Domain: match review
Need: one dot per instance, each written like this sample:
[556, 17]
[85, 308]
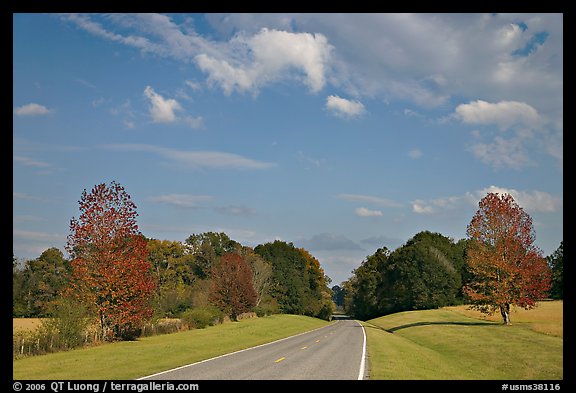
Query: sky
[339, 133]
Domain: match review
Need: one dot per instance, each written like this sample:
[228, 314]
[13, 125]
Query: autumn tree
[111, 272]
[505, 267]
[232, 290]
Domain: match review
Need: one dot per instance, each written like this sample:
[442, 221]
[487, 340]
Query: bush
[203, 316]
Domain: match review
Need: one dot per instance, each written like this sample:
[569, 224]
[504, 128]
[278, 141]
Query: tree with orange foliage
[232, 289]
[111, 273]
[505, 266]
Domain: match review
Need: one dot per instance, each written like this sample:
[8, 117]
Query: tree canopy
[110, 269]
[505, 266]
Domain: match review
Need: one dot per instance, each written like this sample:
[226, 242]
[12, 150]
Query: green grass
[149, 355]
[446, 344]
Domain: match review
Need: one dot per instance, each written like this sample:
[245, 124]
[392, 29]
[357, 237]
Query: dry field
[547, 317]
[19, 324]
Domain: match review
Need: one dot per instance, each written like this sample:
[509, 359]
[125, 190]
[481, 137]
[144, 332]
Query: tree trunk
[505, 311]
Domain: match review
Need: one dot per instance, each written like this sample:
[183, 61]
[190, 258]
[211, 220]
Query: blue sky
[340, 133]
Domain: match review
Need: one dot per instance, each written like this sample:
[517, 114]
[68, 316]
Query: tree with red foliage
[505, 266]
[111, 273]
[232, 289]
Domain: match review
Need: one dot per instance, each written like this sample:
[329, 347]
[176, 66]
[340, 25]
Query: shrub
[203, 316]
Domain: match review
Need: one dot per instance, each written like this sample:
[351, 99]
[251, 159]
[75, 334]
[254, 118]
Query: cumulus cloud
[344, 108]
[31, 109]
[163, 110]
[268, 56]
[512, 150]
[504, 114]
[364, 212]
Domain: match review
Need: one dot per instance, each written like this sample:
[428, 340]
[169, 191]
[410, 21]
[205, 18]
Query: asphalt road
[333, 352]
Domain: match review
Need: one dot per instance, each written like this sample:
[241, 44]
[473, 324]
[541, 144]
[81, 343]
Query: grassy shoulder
[149, 355]
[448, 344]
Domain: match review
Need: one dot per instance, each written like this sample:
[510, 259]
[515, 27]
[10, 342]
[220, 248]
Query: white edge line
[363, 360]
[241, 350]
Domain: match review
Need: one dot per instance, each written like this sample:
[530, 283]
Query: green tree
[298, 283]
[556, 263]
[424, 273]
[362, 299]
[40, 283]
[173, 267]
[261, 273]
[207, 247]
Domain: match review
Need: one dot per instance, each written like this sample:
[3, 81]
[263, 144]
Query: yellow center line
[279, 360]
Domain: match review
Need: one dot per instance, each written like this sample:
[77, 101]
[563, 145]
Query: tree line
[495, 267]
[121, 279]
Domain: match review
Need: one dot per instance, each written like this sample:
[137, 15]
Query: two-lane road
[336, 351]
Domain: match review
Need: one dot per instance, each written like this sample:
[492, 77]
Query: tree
[298, 282]
[505, 266]
[39, 284]
[556, 263]
[361, 299]
[232, 290]
[424, 273]
[111, 272]
[173, 268]
[261, 273]
[207, 247]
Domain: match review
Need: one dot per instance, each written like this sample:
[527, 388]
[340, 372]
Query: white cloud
[420, 57]
[266, 57]
[514, 151]
[187, 201]
[502, 153]
[421, 207]
[531, 201]
[31, 109]
[343, 107]
[504, 114]
[368, 199]
[31, 162]
[196, 159]
[363, 212]
[161, 109]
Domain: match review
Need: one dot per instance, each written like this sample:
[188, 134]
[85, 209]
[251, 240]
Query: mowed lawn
[457, 344]
[149, 355]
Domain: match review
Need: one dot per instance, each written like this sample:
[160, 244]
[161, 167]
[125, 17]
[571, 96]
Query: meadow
[456, 343]
[451, 343]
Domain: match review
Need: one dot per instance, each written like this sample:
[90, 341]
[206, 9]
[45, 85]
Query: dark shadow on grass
[409, 325]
